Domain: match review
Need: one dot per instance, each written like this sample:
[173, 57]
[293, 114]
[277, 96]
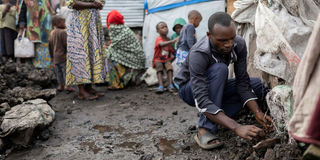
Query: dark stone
[175, 113]
[10, 68]
[4, 107]
[192, 128]
[44, 135]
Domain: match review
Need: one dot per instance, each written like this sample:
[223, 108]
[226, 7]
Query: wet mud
[138, 124]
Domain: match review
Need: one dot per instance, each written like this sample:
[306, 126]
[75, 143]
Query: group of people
[87, 61]
[80, 58]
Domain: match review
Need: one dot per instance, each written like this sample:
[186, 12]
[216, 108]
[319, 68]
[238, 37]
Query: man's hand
[247, 131]
[265, 121]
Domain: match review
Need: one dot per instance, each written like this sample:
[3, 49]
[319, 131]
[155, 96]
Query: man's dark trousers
[222, 92]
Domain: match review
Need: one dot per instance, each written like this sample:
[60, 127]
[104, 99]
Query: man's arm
[244, 88]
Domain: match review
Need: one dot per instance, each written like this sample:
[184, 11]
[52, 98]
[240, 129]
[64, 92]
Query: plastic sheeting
[149, 29]
[281, 37]
[157, 3]
[280, 103]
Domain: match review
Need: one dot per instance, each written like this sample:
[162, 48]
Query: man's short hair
[56, 19]
[157, 26]
[220, 18]
[194, 14]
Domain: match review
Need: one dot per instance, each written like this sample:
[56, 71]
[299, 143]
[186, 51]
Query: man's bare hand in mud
[265, 121]
[247, 131]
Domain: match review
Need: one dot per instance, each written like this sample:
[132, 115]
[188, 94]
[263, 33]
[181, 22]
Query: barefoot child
[163, 56]
[58, 50]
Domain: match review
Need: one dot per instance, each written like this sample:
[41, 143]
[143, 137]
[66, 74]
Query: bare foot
[69, 89]
[92, 91]
[60, 88]
[83, 94]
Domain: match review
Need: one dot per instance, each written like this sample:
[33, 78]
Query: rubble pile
[19, 83]
[24, 92]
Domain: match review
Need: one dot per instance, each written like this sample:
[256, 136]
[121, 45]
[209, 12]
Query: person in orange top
[163, 56]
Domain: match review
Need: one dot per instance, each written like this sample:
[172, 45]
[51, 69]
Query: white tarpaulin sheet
[157, 3]
[149, 29]
[281, 36]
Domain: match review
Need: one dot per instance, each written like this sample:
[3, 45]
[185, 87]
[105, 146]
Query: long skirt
[118, 76]
[86, 54]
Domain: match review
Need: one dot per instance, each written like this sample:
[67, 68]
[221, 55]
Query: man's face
[223, 37]
[163, 29]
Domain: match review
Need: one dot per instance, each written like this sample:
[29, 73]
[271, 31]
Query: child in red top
[163, 56]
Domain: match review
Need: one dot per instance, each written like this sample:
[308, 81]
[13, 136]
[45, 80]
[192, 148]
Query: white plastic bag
[23, 48]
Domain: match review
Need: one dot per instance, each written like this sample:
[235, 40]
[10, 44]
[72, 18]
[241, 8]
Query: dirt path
[133, 124]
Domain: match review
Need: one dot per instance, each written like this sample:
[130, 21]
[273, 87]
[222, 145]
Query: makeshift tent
[168, 11]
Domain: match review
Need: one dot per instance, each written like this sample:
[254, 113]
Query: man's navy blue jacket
[201, 56]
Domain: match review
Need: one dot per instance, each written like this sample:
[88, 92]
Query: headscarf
[114, 17]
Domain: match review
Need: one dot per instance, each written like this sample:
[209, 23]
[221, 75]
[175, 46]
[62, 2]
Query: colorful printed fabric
[38, 19]
[86, 56]
[119, 76]
[181, 56]
[125, 47]
[42, 57]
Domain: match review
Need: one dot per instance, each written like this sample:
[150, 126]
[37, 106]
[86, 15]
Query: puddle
[106, 128]
[131, 145]
[92, 146]
[166, 147]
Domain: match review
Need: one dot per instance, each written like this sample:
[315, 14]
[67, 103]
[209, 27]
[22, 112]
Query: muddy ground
[136, 123]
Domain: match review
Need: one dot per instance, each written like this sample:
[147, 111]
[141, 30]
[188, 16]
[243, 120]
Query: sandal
[160, 90]
[205, 139]
[171, 89]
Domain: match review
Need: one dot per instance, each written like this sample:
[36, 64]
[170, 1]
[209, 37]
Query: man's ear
[208, 34]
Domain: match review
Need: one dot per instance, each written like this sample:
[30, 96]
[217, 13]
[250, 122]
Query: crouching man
[203, 82]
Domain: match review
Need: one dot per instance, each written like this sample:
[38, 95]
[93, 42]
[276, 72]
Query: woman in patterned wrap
[86, 56]
[125, 54]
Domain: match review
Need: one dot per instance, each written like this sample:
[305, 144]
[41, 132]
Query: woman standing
[86, 56]
[35, 19]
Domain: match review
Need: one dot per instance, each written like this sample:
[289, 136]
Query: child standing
[177, 26]
[187, 36]
[58, 50]
[8, 29]
[163, 56]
